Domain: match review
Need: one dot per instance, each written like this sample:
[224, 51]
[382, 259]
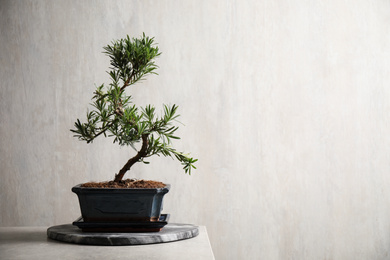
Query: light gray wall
[285, 103]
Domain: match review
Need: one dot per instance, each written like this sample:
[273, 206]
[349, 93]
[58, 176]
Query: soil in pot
[125, 184]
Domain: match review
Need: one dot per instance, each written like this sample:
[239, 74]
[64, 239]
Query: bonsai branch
[102, 131]
[141, 154]
[127, 83]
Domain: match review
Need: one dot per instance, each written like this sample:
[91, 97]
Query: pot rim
[78, 188]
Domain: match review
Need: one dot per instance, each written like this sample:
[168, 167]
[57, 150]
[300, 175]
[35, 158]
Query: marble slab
[171, 232]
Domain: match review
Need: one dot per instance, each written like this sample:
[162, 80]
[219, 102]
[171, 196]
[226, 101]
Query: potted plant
[114, 115]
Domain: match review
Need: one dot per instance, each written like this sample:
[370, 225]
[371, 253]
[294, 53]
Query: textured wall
[285, 103]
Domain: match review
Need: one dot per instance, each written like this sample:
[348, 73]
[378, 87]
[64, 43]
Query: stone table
[32, 243]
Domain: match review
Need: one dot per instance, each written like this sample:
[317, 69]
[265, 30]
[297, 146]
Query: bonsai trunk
[141, 154]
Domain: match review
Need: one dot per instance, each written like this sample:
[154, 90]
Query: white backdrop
[285, 103]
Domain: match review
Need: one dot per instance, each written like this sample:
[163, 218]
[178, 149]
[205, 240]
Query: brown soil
[129, 183]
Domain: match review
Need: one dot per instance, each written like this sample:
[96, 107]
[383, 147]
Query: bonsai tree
[114, 115]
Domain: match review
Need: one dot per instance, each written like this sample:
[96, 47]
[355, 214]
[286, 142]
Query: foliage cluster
[114, 114]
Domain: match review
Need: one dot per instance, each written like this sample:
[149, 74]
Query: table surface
[32, 243]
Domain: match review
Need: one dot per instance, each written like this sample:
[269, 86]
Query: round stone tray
[171, 232]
